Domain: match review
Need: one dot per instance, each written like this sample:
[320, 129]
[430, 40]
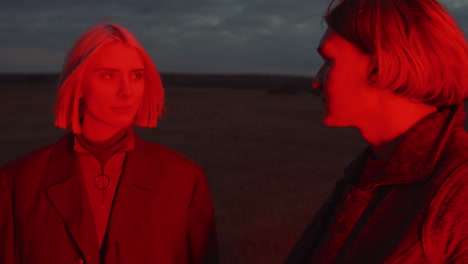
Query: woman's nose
[125, 89]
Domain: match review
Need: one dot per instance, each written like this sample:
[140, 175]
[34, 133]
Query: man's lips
[323, 97]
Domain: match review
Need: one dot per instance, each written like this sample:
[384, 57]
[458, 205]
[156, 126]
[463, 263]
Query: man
[397, 70]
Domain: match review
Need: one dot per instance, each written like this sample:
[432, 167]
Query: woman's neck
[96, 131]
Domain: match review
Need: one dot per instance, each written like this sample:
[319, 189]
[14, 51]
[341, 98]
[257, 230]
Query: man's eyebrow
[137, 70]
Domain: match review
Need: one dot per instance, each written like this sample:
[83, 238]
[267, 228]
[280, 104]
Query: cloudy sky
[200, 36]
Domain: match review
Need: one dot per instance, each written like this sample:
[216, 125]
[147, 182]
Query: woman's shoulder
[154, 152]
[42, 154]
[155, 159]
[34, 157]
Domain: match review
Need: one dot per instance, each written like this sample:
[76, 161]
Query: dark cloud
[257, 36]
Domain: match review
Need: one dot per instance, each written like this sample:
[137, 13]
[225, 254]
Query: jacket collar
[66, 192]
[416, 156]
[128, 140]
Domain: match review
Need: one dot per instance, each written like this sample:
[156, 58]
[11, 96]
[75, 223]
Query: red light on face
[316, 85]
[113, 87]
[342, 80]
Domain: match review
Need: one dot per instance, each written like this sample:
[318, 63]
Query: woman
[101, 194]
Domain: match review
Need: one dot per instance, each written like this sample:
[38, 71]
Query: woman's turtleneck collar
[104, 150]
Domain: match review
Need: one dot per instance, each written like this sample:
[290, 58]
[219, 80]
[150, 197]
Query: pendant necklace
[102, 182]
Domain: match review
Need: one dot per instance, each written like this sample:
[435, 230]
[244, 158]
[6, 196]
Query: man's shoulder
[446, 224]
[457, 145]
[453, 163]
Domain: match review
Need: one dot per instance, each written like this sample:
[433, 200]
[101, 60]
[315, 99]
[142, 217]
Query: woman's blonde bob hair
[67, 103]
[418, 50]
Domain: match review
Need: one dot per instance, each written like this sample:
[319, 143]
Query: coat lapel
[413, 161]
[136, 186]
[65, 190]
[416, 156]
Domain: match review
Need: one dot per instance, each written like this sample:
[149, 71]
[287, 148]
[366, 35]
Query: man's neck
[384, 133]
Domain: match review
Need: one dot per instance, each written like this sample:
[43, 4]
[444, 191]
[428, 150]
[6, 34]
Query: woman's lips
[122, 109]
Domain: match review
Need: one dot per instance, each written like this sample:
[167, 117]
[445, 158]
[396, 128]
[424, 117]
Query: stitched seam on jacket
[428, 243]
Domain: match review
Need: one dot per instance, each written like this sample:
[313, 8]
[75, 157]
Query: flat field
[269, 160]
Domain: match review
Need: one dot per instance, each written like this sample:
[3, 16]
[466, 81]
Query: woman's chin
[121, 123]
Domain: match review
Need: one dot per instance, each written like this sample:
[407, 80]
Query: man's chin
[327, 120]
[334, 122]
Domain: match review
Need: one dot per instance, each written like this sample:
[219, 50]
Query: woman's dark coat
[162, 211]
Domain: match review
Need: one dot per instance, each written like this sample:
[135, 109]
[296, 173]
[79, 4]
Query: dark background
[236, 101]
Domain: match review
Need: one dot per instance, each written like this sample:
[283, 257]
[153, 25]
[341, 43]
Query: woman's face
[113, 86]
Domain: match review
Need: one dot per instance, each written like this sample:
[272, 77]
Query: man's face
[113, 86]
[342, 80]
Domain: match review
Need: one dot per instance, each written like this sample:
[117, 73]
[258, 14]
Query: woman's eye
[107, 76]
[137, 76]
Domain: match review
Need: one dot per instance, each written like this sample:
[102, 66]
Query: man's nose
[317, 83]
[318, 80]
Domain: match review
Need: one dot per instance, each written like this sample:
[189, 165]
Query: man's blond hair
[418, 50]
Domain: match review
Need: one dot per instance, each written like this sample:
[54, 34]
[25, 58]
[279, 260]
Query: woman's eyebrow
[112, 69]
[106, 69]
